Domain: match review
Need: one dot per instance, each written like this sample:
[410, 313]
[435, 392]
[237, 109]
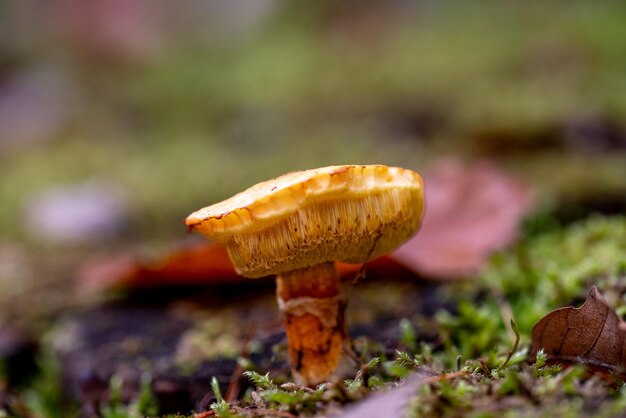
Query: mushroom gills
[350, 229]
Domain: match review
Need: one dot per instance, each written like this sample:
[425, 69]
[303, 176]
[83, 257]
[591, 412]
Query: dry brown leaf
[592, 334]
[471, 211]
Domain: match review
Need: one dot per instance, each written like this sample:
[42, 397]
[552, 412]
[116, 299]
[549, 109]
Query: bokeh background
[120, 117]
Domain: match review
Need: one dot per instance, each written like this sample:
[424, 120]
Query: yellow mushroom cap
[350, 213]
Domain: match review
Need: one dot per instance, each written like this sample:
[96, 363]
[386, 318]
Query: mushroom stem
[313, 306]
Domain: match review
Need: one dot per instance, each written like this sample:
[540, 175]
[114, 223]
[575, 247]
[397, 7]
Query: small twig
[294, 387]
[250, 412]
[484, 368]
[512, 350]
[258, 401]
[263, 412]
[445, 376]
[503, 303]
[205, 414]
[233, 385]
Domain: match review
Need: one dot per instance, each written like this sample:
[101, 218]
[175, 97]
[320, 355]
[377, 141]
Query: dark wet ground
[146, 333]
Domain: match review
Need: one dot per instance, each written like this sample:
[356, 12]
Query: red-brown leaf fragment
[202, 264]
[472, 210]
[592, 334]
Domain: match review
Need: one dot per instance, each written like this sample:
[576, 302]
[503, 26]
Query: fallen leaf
[471, 211]
[592, 334]
[193, 265]
[204, 264]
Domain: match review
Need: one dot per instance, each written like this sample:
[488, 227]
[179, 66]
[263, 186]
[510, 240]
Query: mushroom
[296, 227]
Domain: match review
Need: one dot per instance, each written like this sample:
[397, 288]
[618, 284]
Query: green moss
[555, 269]
[490, 375]
[544, 272]
[145, 404]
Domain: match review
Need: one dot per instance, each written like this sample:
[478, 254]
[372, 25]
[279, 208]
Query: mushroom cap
[350, 213]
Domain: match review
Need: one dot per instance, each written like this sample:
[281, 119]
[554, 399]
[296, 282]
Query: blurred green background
[165, 107]
[118, 118]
